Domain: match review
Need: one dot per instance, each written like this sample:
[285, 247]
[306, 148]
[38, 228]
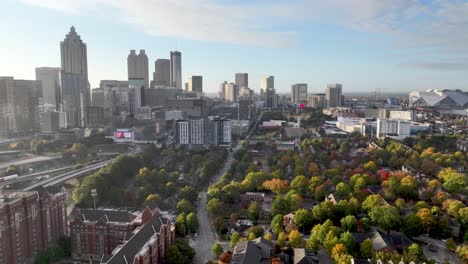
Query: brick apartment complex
[115, 236]
[29, 223]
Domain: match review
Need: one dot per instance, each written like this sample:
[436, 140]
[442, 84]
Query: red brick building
[29, 223]
[96, 233]
[116, 236]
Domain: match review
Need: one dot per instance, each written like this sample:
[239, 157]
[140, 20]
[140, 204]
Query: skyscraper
[242, 80]
[195, 84]
[137, 66]
[162, 72]
[229, 91]
[19, 106]
[50, 78]
[299, 93]
[176, 69]
[267, 82]
[74, 79]
[333, 95]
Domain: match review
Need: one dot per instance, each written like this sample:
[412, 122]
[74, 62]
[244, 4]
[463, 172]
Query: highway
[34, 159]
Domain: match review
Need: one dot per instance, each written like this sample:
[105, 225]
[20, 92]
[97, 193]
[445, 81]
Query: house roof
[257, 251]
[303, 256]
[294, 132]
[130, 249]
[381, 240]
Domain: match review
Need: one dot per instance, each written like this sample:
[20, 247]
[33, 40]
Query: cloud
[438, 66]
[436, 25]
[192, 19]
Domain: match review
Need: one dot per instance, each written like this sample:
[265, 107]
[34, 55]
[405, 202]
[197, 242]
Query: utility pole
[94, 194]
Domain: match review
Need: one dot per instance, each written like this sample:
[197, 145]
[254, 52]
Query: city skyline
[405, 50]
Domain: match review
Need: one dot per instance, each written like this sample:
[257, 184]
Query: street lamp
[94, 194]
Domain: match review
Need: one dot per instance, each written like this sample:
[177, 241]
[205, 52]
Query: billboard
[123, 135]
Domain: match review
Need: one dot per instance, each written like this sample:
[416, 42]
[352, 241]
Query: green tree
[214, 206]
[251, 236]
[366, 248]
[303, 219]
[180, 225]
[280, 205]
[217, 250]
[184, 206]
[348, 222]
[343, 189]
[174, 256]
[188, 193]
[79, 150]
[370, 166]
[386, 216]
[330, 240]
[412, 225]
[415, 250]
[347, 239]
[254, 211]
[277, 224]
[454, 182]
[235, 237]
[450, 244]
[281, 239]
[299, 184]
[191, 222]
[152, 198]
[11, 170]
[372, 201]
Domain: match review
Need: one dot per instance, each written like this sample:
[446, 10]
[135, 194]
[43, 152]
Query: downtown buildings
[20, 102]
[204, 132]
[30, 222]
[333, 95]
[75, 91]
[162, 73]
[176, 69]
[299, 93]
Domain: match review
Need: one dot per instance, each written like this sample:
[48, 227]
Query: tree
[276, 185]
[235, 237]
[452, 207]
[191, 222]
[152, 198]
[313, 168]
[412, 225]
[339, 250]
[453, 182]
[251, 236]
[180, 225]
[415, 250]
[450, 244]
[372, 201]
[79, 150]
[303, 219]
[184, 206]
[370, 166]
[299, 184]
[314, 182]
[280, 206]
[254, 210]
[214, 206]
[462, 253]
[343, 189]
[386, 216]
[277, 224]
[347, 239]
[344, 147]
[295, 239]
[11, 170]
[281, 239]
[268, 237]
[174, 256]
[217, 250]
[427, 219]
[257, 231]
[330, 240]
[366, 248]
[348, 222]
[188, 193]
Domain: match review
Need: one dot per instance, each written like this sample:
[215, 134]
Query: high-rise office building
[316, 100]
[195, 84]
[333, 95]
[242, 80]
[19, 106]
[50, 78]
[299, 93]
[75, 94]
[137, 86]
[230, 91]
[50, 122]
[267, 82]
[271, 98]
[176, 69]
[137, 66]
[162, 72]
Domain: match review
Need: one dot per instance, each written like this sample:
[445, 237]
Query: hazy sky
[394, 45]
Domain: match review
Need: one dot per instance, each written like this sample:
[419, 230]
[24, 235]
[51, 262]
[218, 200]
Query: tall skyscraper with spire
[176, 69]
[74, 79]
